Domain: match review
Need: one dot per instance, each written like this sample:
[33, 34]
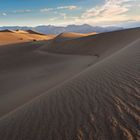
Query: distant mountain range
[49, 29]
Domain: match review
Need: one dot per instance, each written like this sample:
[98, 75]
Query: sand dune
[11, 36]
[99, 44]
[72, 97]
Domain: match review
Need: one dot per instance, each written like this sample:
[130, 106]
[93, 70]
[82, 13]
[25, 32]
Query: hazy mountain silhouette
[50, 29]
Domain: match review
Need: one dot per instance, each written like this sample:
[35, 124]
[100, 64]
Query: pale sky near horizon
[64, 12]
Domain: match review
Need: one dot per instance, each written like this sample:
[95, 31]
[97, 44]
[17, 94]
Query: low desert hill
[86, 88]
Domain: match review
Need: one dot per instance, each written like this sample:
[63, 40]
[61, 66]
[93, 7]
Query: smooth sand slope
[19, 36]
[78, 97]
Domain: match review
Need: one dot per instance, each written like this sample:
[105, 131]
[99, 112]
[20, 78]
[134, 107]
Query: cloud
[112, 11]
[22, 11]
[46, 10]
[64, 15]
[54, 18]
[71, 7]
[110, 8]
[56, 10]
[4, 14]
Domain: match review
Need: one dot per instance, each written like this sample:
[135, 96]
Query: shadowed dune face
[102, 102]
[26, 72]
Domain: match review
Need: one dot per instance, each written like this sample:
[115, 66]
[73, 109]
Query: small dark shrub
[34, 40]
[97, 55]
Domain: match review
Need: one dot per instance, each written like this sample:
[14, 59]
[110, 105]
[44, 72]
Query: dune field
[71, 86]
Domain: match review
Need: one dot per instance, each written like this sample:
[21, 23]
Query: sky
[65, 12]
